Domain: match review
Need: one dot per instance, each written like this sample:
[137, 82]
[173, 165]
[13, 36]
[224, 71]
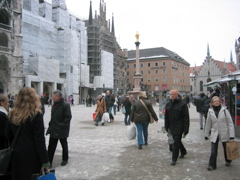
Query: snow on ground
[104, 153]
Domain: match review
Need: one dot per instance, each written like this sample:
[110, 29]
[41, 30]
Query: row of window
[148, 64]
[164, 71]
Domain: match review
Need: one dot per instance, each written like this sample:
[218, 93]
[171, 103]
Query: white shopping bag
[105, 117]
[131, 131]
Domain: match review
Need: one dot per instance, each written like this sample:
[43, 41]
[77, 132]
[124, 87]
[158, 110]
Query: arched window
[3, 40]
[201, 85]
[4, 17]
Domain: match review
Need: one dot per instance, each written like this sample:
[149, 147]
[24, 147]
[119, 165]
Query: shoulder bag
[6, 155]
[150, 115]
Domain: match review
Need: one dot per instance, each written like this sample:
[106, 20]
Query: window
[164, 63]
[149, 72]
[164, 71]
[156, 79]
[134, 65]
[156, 71]
[134, 72]
[141, 72]
[127, 73]
[156, 64]
[141, 65]
[142, 80]
[164, 78]
[156, 88]
[149, 64]
[127, 65]
[149, 79]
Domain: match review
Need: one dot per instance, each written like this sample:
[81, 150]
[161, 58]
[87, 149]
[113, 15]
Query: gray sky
[182, 26]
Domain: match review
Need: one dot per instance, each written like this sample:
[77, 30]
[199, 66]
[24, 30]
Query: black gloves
[185, 133]
[206, 138]
[231, 138]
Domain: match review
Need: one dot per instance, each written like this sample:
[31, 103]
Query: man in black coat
[59, 126]
[177, 121]
[109, 99]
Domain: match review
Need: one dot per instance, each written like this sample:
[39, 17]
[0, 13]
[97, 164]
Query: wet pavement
[105, 153]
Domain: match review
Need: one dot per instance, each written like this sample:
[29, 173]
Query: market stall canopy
[217, 81]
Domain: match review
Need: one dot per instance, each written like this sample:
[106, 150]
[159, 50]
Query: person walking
[100, 109]
[59, 127]
[29, 152]
[4, 105]
[109, 103]
[115, 105]
[199, 107]
[140, 116]
[127, 105]
[177, 121]
[220, 123]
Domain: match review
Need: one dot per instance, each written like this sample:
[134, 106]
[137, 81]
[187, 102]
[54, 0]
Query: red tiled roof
[229, 66]
[192, 69]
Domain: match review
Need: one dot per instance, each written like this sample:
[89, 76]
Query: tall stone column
[137, 77]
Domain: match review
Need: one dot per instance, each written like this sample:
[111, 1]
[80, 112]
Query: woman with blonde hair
[141, 118]
[220, 123]
[100, 109]
[29, 151]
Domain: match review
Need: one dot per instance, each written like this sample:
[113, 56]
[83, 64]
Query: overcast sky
[182, 26]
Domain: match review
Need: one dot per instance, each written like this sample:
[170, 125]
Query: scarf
[2, 109]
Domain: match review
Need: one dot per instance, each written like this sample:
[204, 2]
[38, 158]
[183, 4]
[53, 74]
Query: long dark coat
[30, 150]
[59, 125]
[3, 125]
[101, 107]
[139, 112]
[177, 117]
[127, 104]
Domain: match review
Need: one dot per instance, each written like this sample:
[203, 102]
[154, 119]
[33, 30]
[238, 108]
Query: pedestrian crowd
[24, 122]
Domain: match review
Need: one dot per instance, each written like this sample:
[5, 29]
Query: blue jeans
[142, 130]
[114, 109]
[99, 117]
[127, 119]
[109, 110]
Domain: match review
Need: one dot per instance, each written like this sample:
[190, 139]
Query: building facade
[11, 69]
[161, 70]
[54, 49]
[105, 57]
[210, 70]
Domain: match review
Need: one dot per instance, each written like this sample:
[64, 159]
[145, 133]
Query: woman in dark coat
[127, 105]
[100, 109]
[141, 118]
[4, 103]
[29, 154]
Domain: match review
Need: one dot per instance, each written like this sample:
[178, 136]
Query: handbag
[105, 117]
[44, 175]
[151, 118]
[94, 116]
[131, 132]
[123, 110]
[6, 155]
[232, 150]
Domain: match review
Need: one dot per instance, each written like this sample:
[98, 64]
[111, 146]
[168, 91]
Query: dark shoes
[182, 155]
[228, 164]
[64, 163]
[102, 124]
[139, 146]
[96, 124]
[210, 168]
[201, 128]
[146, 144]
[173, 163]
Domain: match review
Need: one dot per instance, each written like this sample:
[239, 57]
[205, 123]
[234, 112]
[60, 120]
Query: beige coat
[222, 126]
[101, 107]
